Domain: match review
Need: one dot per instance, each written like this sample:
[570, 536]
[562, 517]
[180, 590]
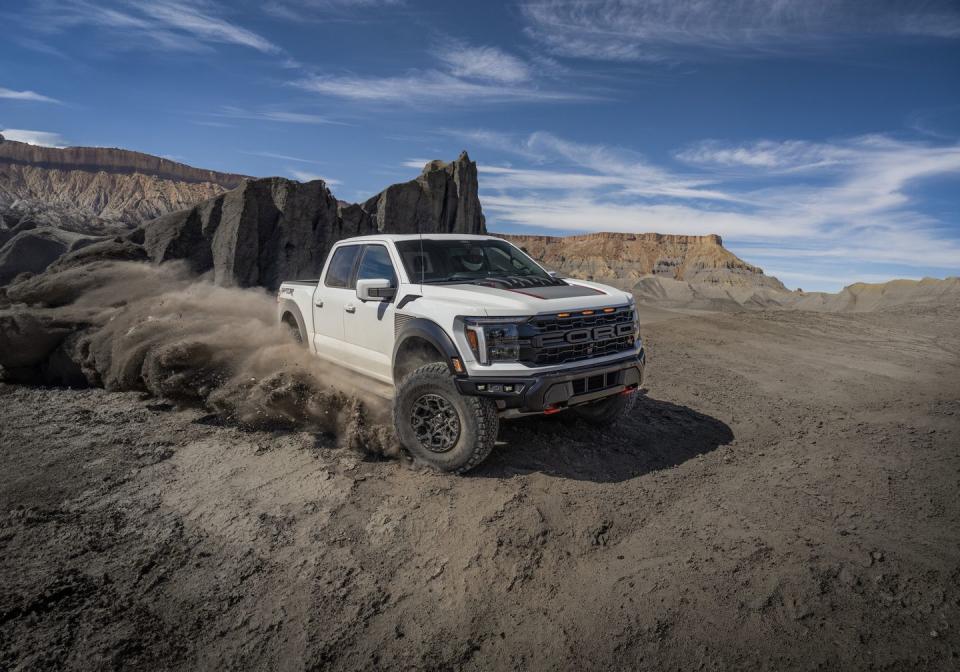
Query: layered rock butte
[110, 184]
[624, 259]
[56, 200]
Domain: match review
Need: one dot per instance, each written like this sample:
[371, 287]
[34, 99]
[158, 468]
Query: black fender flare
[290, 306]
[432, 333]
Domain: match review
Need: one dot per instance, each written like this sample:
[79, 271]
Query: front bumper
[554, 391]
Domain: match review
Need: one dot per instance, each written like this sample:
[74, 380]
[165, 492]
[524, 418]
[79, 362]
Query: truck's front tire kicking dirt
[606, 411]
[440, 426]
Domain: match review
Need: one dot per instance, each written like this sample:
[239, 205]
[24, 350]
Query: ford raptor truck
[465, 330]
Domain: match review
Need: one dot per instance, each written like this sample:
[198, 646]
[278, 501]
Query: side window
[341, 266]
[376, 264]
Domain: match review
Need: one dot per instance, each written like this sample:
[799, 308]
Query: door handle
[350, 308]
[319, 304]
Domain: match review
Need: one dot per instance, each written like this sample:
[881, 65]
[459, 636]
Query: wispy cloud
[317, 10]
[468, 75]
[305, 176]
[30, 96]
[485, 63]
[793, 204]
[628, 30]
[179, 25]
[42, 138]
[275, 115]
[283, 157]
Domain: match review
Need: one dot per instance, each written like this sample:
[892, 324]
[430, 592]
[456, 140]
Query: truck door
[331, 300]
[368, 329]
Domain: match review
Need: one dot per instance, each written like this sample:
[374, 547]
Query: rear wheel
[606, 411]
[440, 426]
[293, 329]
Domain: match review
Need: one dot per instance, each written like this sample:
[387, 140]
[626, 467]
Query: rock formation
[443, 200]
[623, 259]
[273, 229]
[112, 184]
[52, 200]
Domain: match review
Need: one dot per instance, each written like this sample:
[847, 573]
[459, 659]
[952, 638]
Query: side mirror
[375, 289]
[556, 275]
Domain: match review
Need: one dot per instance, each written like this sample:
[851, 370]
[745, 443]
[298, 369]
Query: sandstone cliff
[273, 229]
[83, 185]
[623, 259]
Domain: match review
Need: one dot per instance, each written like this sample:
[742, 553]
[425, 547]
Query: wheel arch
[287, 310]
[420, 341]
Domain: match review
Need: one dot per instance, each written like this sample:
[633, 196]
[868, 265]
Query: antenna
[423, 257]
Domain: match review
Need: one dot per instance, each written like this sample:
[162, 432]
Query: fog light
[482, 387]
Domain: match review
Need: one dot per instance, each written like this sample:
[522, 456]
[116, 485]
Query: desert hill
[662, 269]
[862, 297]
[55, 200]
[111, 184]
[623, 259]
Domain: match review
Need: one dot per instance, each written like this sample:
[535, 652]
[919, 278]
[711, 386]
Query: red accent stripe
[519, 291]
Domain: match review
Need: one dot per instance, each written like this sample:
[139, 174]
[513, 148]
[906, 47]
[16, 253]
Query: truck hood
[493, 301]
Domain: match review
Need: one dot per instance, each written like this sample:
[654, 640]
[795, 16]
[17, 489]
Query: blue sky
[820, 138]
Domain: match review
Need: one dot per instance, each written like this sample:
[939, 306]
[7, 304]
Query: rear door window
[340, 272]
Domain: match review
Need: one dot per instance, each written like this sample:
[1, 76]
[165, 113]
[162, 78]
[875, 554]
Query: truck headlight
[493, 341]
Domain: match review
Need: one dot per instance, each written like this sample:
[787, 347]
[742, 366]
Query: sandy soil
[785, 497]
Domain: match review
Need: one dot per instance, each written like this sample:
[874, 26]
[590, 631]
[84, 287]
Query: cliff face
[273, 229]
[624, 259]
[110, 160]
[77, 186]
[443, 199]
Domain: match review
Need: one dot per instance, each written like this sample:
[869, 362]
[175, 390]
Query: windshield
[466, 261]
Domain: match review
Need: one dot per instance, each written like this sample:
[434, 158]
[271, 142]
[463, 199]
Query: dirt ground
[784, 497]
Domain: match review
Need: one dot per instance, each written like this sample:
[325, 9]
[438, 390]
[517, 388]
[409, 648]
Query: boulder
[89, 250]
[31, 251]
[261, 233]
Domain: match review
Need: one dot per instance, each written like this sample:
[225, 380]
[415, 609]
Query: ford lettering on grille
[578, 336]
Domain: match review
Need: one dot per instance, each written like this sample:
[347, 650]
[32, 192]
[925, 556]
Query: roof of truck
[396, 237]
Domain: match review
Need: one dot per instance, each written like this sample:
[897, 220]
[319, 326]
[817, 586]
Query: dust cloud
[159, 329]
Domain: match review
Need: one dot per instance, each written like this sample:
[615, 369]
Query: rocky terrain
[257, 233]
[56, 200]
[784, 497]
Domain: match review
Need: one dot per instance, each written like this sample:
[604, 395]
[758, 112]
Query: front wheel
[440, 426]
[606, 411]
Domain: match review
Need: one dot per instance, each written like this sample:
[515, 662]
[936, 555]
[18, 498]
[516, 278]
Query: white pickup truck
[467, 329]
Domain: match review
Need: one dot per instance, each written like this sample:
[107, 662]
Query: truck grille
[575, 337]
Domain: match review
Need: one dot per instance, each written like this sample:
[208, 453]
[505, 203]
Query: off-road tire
[477, 418]
[606, 411]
